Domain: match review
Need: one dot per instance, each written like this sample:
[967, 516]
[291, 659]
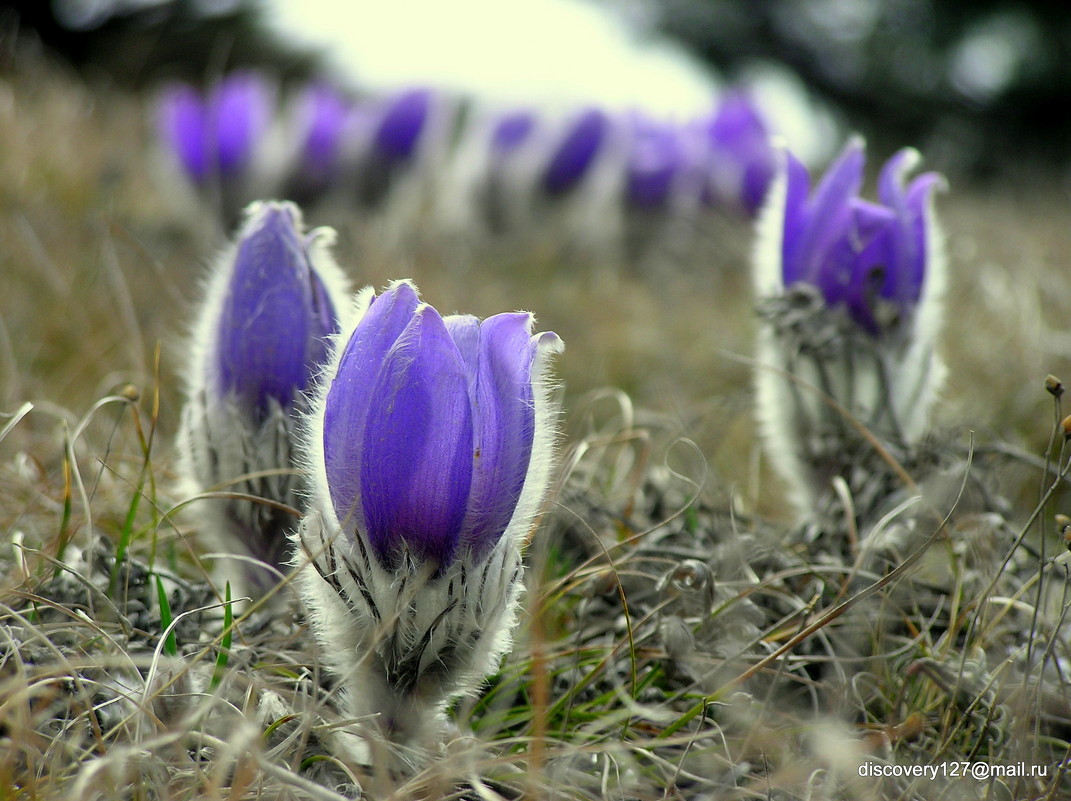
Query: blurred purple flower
[655, 159]
[183, 124]
[743, 160]
[510, 131]
[216, 135]
[404, 120]
[576, 151]
[429, 427]
[324, 113]
[869, 257]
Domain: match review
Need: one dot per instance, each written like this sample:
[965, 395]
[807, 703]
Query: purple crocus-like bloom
[239, 110]
[325, 113]
[404, 120]
[655, 159]
[428, 428]
[429, 449]
[276, 315]
[851, 295]
[215, 135]
[868, 257]
[183, 124]
[261, 337]
[575, 154]
[743, 160]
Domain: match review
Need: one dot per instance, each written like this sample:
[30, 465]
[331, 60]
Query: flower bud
[260, 338]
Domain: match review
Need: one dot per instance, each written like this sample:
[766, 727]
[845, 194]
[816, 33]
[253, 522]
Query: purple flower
[655, 159]
[183, 124]
[325, 114]
[429, 457]
[743, 161]
[404, 120]
[217, 134]
[868, 257]
[276, 315]
[510, 131]
[851, 299]
[239, 112]
[429, 426]
[260, 338]
[575, 154]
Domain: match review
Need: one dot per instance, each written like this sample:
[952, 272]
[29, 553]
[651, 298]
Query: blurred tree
[137, 42]
[969, 81]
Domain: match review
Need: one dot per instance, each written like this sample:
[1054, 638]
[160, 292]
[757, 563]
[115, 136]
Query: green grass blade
[225, 643]
[170, 645]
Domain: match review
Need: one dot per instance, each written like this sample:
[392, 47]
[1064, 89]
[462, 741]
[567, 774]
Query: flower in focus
[261, 336]
[429, 449]
[852, 293]
[871, 258]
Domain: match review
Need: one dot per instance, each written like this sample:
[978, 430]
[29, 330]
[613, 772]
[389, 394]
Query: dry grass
[637, 673]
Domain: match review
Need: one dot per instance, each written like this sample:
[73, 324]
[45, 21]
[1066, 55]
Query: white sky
[514, 50]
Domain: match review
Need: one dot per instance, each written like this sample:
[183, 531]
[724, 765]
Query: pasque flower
[575, 154]
[851, 299]
[399, 135]
[429, 455]
[261, 336]
[741, 155]
[655, 160]
[324, 118]
[214, 135]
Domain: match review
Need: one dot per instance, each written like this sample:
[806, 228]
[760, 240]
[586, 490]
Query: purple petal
[183, 125]
[909, 289]
[872, 270]
[267, 333]
[576, 152]
[417, 446]
[758, 176]
[351, 394]
[240, 112]
[891, 178]
[504, 428]
[798, 185]
[402, 124]
[828, 215]
[465, 331]
[323, 319]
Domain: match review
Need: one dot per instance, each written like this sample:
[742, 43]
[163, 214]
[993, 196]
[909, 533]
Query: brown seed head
[1054, 386]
